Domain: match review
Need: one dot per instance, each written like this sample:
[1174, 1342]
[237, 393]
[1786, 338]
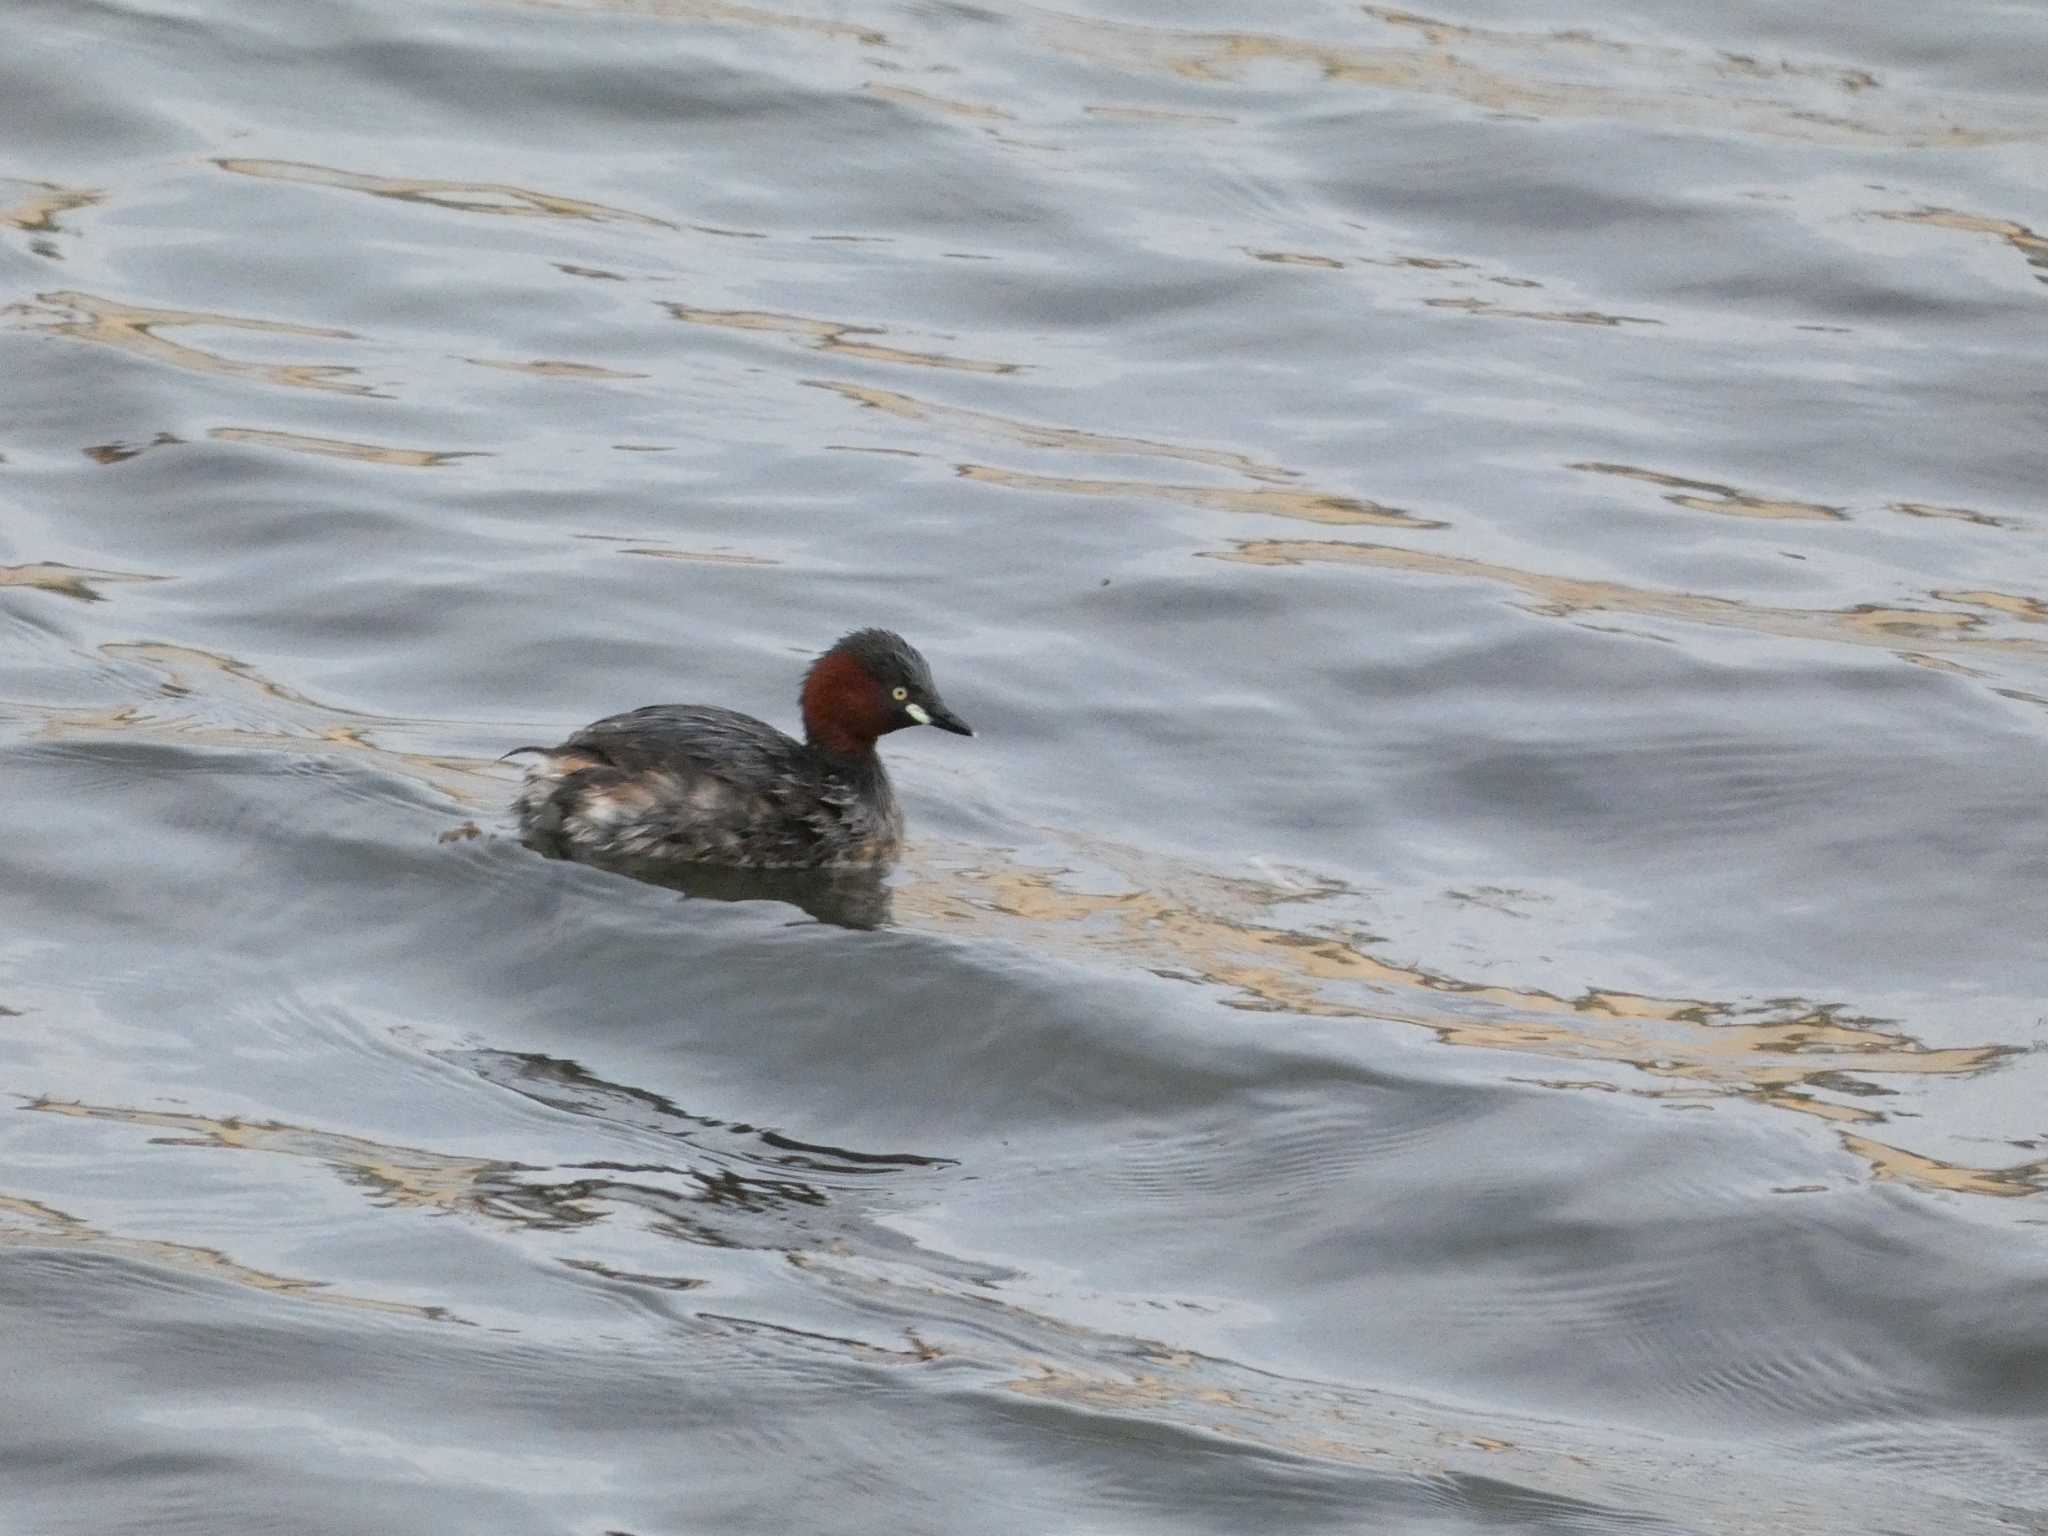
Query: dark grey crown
[888, 657]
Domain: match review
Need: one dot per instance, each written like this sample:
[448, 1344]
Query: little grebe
[696, 784]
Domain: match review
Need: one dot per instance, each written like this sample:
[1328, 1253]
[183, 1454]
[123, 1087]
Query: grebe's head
[869, 684]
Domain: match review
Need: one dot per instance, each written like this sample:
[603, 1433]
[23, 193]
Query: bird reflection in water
[848, 897]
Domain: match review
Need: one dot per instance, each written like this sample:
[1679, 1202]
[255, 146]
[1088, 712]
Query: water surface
[1482, 973]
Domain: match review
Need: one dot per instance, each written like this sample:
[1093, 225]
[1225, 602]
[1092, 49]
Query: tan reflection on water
[342, 448]
[68, 580]
[40, 204]
[1027, 1349]
[699, 556]
[133, 328]
[1909, 632]
[1562, 316]
[1531, 73]
[1030, 1351]
[1707, 496]
[552, 368]
[1581, 43]
[2028, 610]
[1302, 505]
[1297, 259]
[26, 1223]
[909, 97]
[632, 545]
[2031, 246]
[691, 1201]
[1952, 515]
[1163, 115]
[986, 424]
[492, 197]
[397, 1176]
[1934, 1174]
[832, 336]
[1195, 926]
[212, 682]
[720, 12]
[121, 453]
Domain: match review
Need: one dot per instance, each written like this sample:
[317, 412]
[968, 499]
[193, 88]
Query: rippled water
[1483, 972]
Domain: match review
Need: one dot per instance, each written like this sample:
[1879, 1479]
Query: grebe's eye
[899, 694]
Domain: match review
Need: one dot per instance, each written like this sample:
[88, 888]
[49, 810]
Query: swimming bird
[695, 784]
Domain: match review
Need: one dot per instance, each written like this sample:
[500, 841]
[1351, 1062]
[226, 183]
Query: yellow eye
[899, 694]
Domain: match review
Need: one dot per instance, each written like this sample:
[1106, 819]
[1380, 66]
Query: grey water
[1482, 973]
